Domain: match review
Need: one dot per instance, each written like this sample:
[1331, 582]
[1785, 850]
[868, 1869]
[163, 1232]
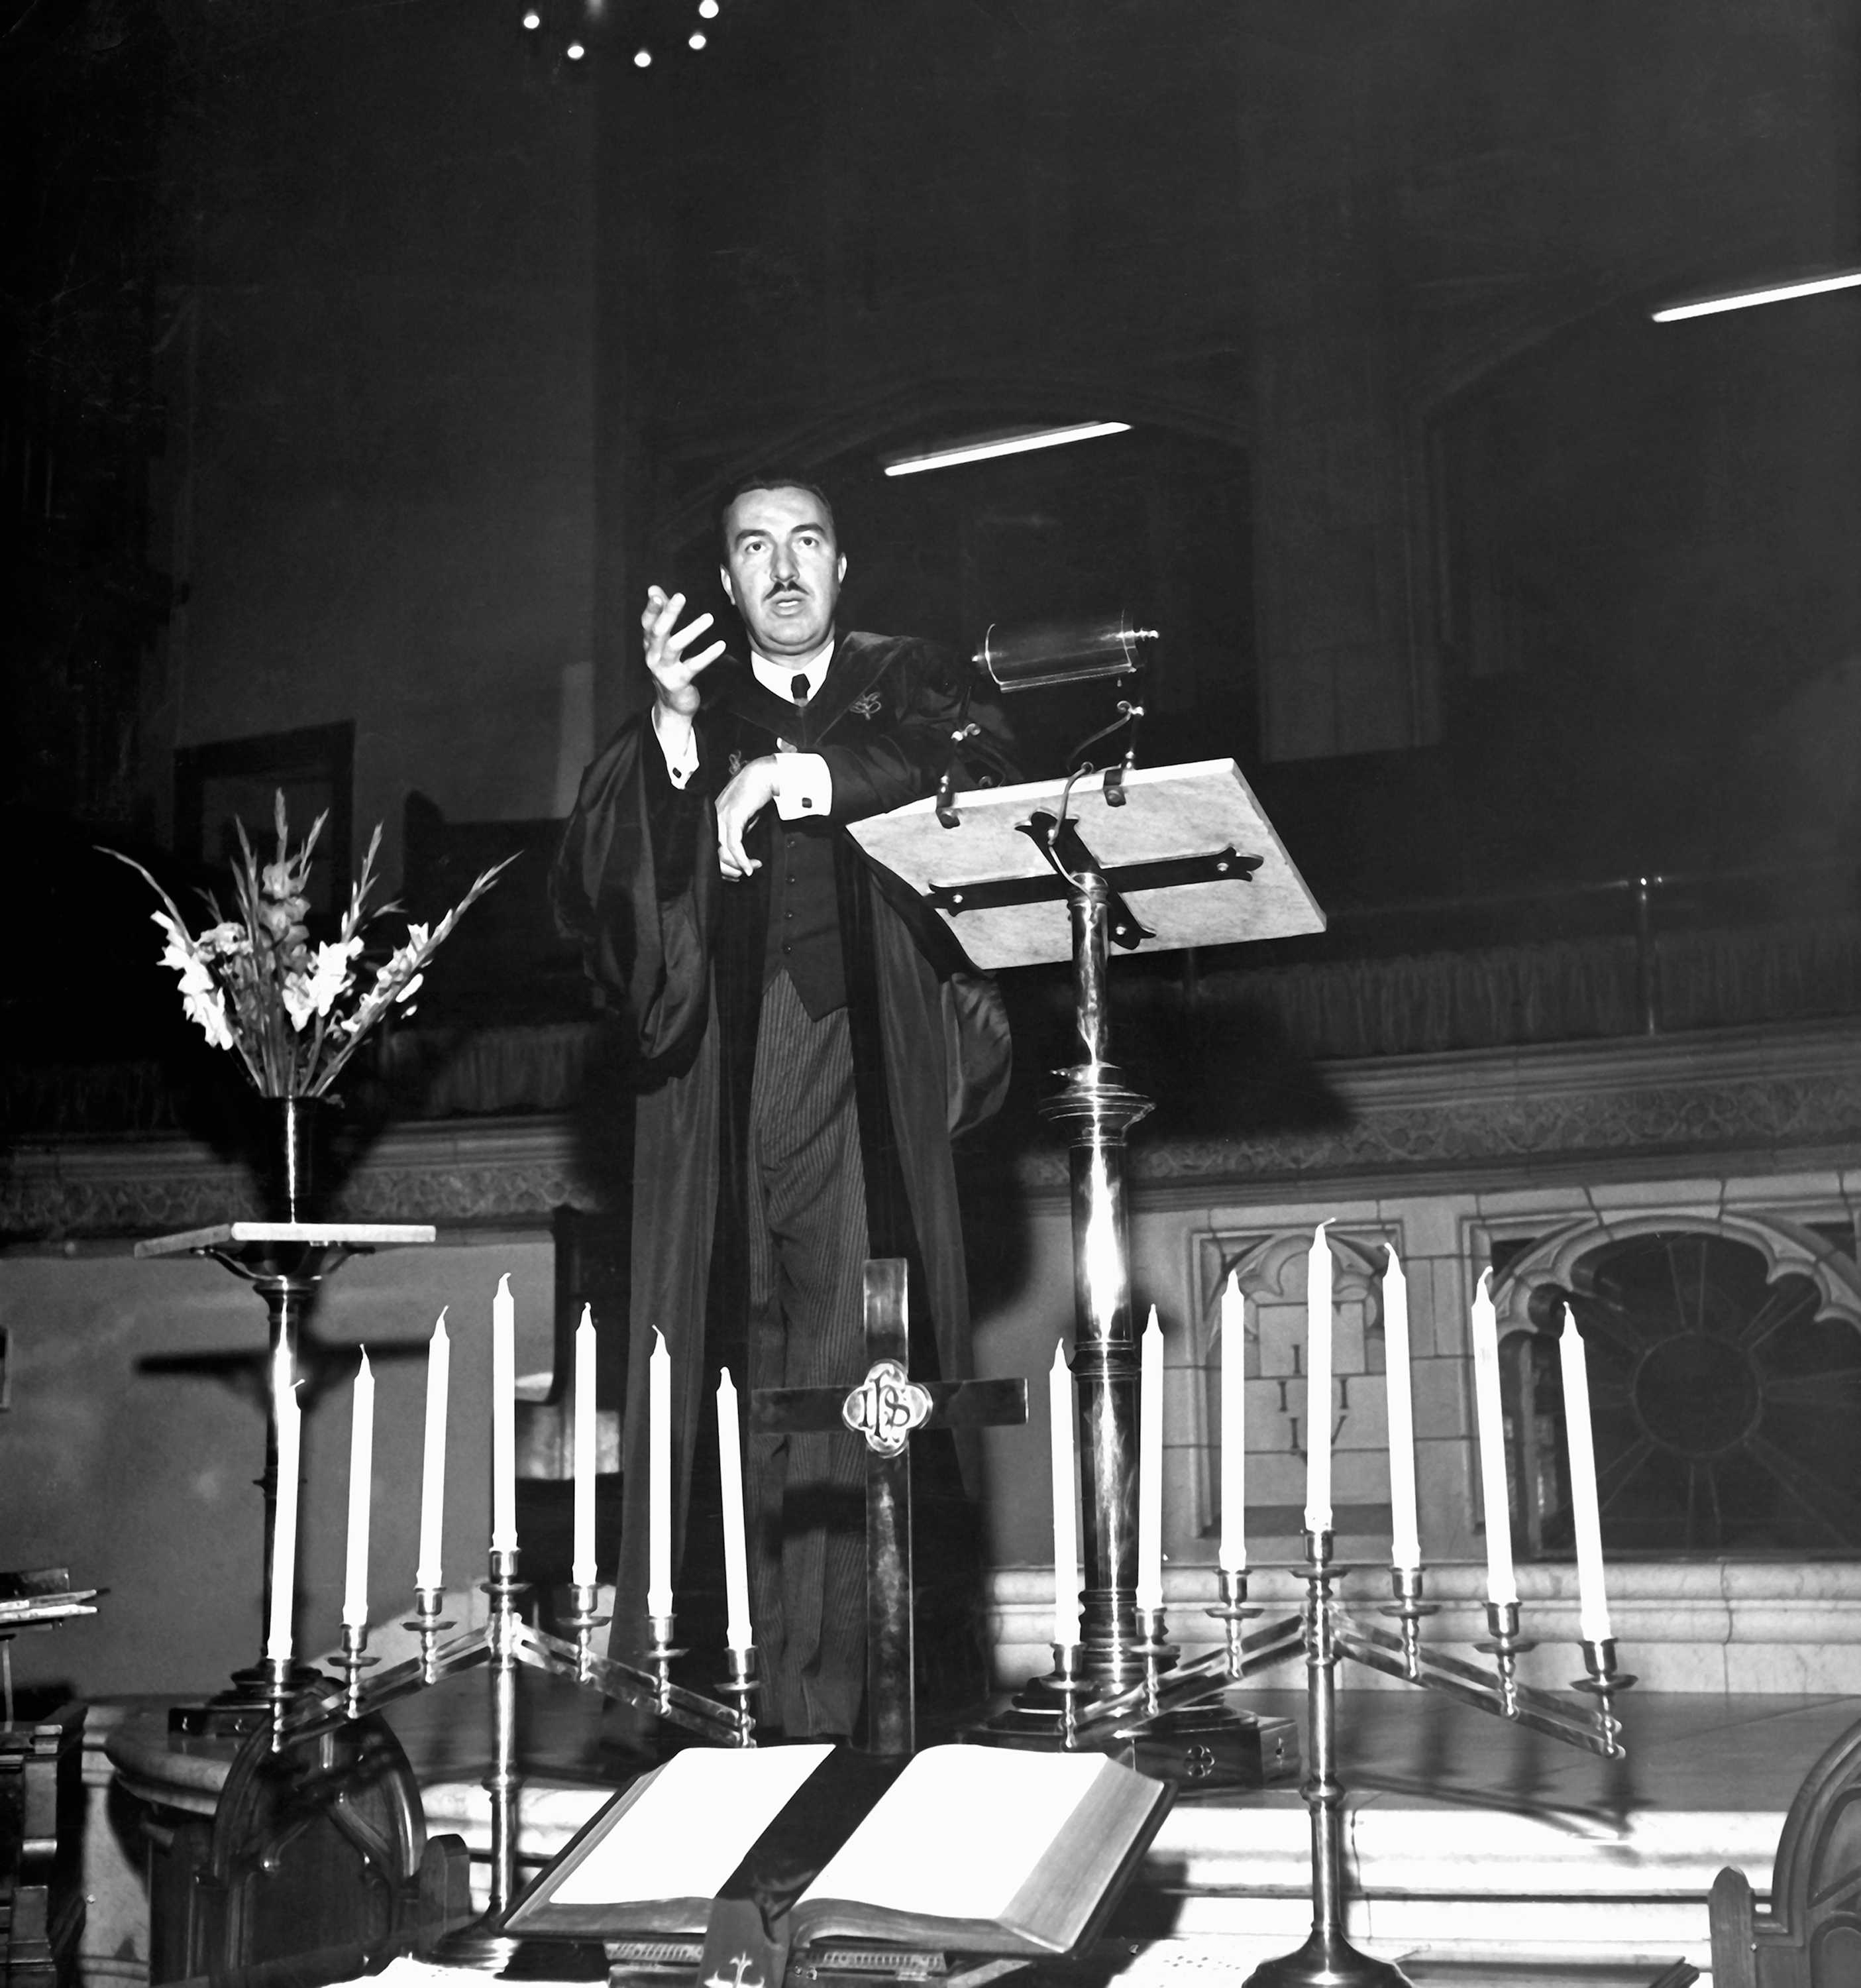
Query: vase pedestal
[284, 1261]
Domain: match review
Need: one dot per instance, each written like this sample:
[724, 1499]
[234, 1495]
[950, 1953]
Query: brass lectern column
[1100, 1108]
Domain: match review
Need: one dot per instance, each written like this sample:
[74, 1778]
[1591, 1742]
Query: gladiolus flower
[209, 1009]
[247, 983]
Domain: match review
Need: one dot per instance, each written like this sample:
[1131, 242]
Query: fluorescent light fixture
[1743, 299]
[1017, 442]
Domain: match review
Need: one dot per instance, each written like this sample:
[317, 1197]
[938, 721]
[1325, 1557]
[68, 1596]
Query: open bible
[976, 1849]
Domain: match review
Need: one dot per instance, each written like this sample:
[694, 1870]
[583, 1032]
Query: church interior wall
[380, 492]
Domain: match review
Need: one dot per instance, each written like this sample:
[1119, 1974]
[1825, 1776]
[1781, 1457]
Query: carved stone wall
[1638, 1108]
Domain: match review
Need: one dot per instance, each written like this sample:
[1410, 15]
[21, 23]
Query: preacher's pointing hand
[674, 673]
[749, 793]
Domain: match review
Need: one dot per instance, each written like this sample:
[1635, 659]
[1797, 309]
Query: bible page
[691, 1828]
[959, 1831]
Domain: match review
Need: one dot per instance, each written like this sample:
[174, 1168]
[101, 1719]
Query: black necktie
[798, 689]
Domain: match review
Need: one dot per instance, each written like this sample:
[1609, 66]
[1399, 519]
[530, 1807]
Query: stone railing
[1762, 1098]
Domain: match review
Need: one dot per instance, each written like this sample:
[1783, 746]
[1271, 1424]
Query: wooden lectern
[1162, 858]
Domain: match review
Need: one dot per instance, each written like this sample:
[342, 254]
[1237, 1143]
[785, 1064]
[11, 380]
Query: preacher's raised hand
[675, 673]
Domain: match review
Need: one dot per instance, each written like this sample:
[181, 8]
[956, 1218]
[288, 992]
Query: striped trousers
[809, 1242]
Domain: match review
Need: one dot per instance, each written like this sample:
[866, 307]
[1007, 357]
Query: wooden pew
[1811, 1935]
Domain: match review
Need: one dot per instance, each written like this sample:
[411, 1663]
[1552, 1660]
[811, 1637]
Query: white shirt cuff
[803, 785]
[678, 740]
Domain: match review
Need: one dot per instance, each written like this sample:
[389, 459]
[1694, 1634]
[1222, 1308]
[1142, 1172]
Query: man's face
[782, 570]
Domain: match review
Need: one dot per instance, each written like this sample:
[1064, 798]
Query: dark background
[363, 364]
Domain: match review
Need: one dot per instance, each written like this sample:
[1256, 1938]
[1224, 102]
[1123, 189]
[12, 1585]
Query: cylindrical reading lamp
[1043, 655]
[1046, 653]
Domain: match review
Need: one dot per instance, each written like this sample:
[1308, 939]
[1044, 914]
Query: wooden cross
[886, 1409]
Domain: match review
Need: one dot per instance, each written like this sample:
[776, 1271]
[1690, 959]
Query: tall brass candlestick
[1327, 1960]
[483, 1943]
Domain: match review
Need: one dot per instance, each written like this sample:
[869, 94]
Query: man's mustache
[781, 586]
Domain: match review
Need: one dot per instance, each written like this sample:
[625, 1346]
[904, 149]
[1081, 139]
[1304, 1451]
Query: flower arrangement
[295, 1013]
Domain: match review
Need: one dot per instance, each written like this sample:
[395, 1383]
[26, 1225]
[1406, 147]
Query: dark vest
[804, 928]
[802, 937]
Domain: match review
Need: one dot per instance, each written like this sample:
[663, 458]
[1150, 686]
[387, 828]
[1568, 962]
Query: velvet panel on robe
[677, 954]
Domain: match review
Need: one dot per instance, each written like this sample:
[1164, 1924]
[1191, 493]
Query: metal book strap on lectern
[1058, 840]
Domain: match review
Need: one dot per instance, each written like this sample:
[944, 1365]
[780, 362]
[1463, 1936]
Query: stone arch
[1788, 1248]
[1275, 1268]
[1272, 1270]
[1719, 1407]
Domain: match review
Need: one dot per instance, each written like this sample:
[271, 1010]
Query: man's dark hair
[773, 479]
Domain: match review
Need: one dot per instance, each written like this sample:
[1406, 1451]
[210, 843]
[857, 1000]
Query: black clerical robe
[679, 956]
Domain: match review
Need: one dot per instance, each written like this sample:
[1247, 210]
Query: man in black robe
[808, 1042]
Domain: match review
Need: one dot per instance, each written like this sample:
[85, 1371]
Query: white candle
[659, 1478]
[361, 1471]
[284, 1524]
[1318, 1384]
[738, 1632]
[582, 1550]
[433, 1457]
[1232, 1552]
[1065, 1518]
[1593, 1602]
[1150, 1467]
[1405, 1533]
[504, 1420]
[1495, 1506]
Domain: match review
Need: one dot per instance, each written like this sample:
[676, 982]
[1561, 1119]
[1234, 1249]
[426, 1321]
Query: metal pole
[1100, 1108]
[1647, 960]
[501, 1783]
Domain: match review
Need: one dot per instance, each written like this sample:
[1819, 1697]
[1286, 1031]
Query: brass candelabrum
[505, 1642]
[1327, 1957]
[1327, 1636]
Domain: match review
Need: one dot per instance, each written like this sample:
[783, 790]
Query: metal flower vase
[296, 1158]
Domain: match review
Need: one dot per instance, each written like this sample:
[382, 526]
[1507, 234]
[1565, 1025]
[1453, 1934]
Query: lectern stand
[1164, 858]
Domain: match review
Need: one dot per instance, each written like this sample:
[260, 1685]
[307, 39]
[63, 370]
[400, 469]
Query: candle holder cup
[1504, 1644]
[742, 1688]
[427, 1622]
[352, 1662]
[1231, 1611]
[1601, 1680]
[1068, 1680]
[1155, 1651]
[584, 1617]
[1409, 1609]
[661, 1655]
